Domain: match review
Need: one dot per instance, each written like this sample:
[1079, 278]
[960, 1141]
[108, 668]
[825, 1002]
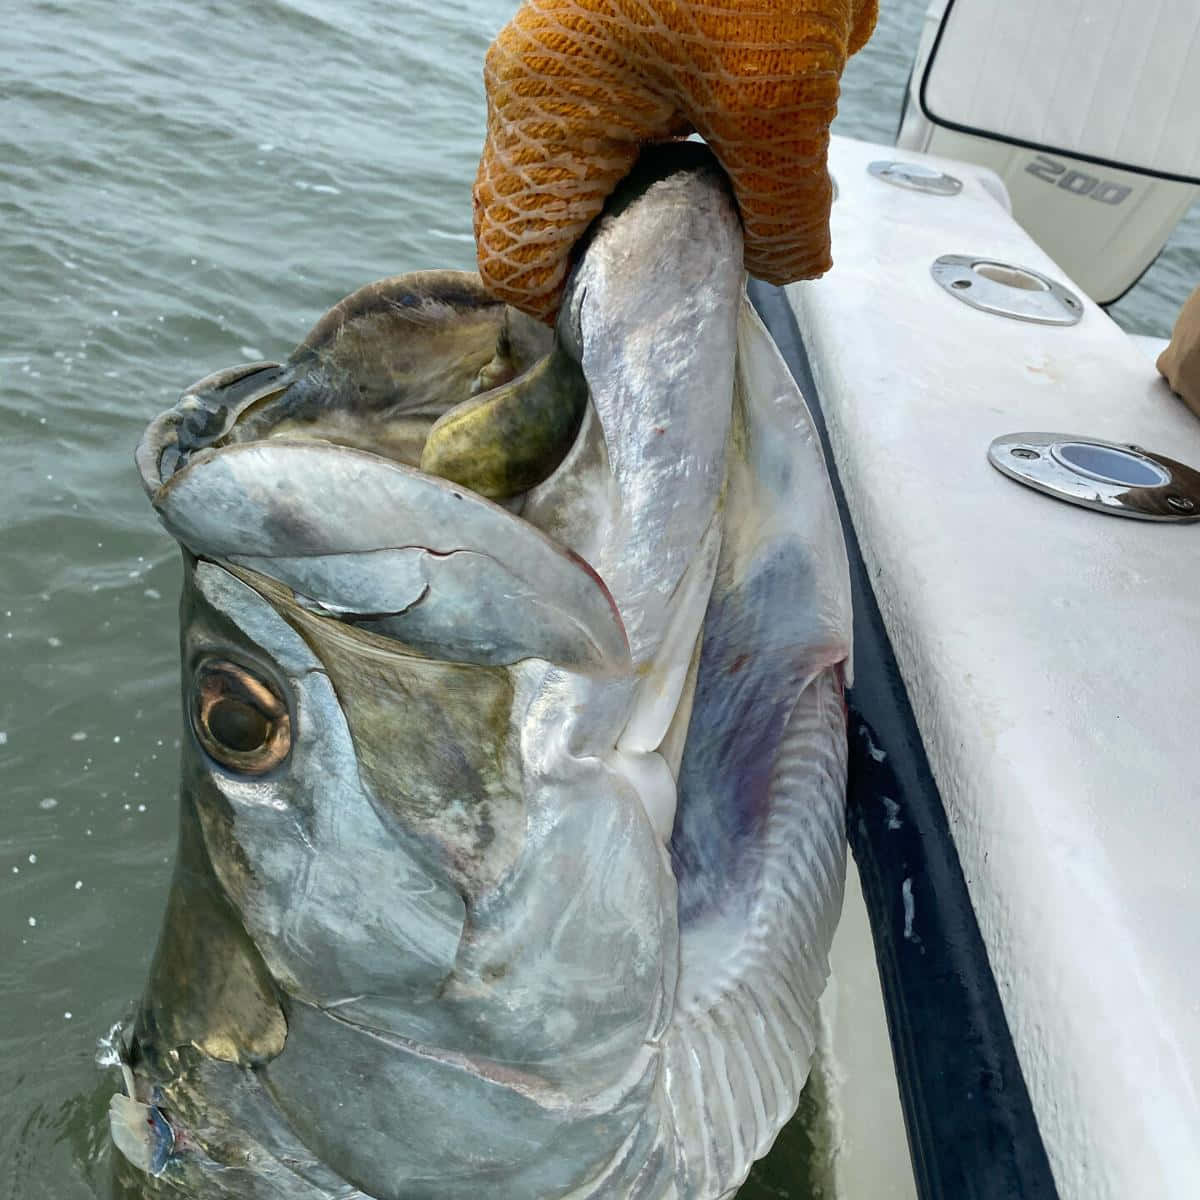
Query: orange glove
[1179, 363]
[576, 87]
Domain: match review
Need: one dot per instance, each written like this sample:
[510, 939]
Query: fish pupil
[238, 726]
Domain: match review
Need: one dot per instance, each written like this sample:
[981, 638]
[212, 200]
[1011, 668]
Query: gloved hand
[1179, 363]
[576, 87]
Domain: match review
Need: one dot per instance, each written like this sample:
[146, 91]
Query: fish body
[511, 839]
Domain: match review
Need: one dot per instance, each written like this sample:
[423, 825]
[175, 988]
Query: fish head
[404, 842]
[491, 637]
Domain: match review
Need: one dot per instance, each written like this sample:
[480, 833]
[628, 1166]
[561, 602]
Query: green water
[184, 187]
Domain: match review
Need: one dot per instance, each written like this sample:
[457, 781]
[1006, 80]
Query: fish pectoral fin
[504, 441]
[141, 1133]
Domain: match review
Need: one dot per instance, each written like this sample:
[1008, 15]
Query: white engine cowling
[1089, 112]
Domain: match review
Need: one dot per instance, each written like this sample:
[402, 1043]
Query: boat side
[1050, 654]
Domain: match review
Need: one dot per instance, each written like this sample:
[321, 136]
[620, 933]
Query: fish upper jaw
[205, 412]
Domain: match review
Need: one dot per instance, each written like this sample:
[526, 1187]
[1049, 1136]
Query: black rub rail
[971, 1129]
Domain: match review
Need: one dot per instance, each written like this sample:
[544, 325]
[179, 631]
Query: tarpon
[512, 834]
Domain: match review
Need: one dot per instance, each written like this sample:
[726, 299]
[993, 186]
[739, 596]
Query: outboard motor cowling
[1091, 116]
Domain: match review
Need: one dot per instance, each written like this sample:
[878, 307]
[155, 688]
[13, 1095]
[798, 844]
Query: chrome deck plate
[914, 177]
[1123, 480]
[1006, 290]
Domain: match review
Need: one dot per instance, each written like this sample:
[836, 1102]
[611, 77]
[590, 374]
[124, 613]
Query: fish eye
[239, 718]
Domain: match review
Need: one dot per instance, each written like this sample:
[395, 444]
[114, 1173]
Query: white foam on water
[108, 1047]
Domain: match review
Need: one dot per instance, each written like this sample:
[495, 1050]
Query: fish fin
[758, 845]
[141, 1133]
[752, 972]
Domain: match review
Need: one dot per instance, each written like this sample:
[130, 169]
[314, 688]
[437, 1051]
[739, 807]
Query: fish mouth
[424, 369]
[378, 474]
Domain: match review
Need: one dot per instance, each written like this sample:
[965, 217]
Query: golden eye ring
[239, 718]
